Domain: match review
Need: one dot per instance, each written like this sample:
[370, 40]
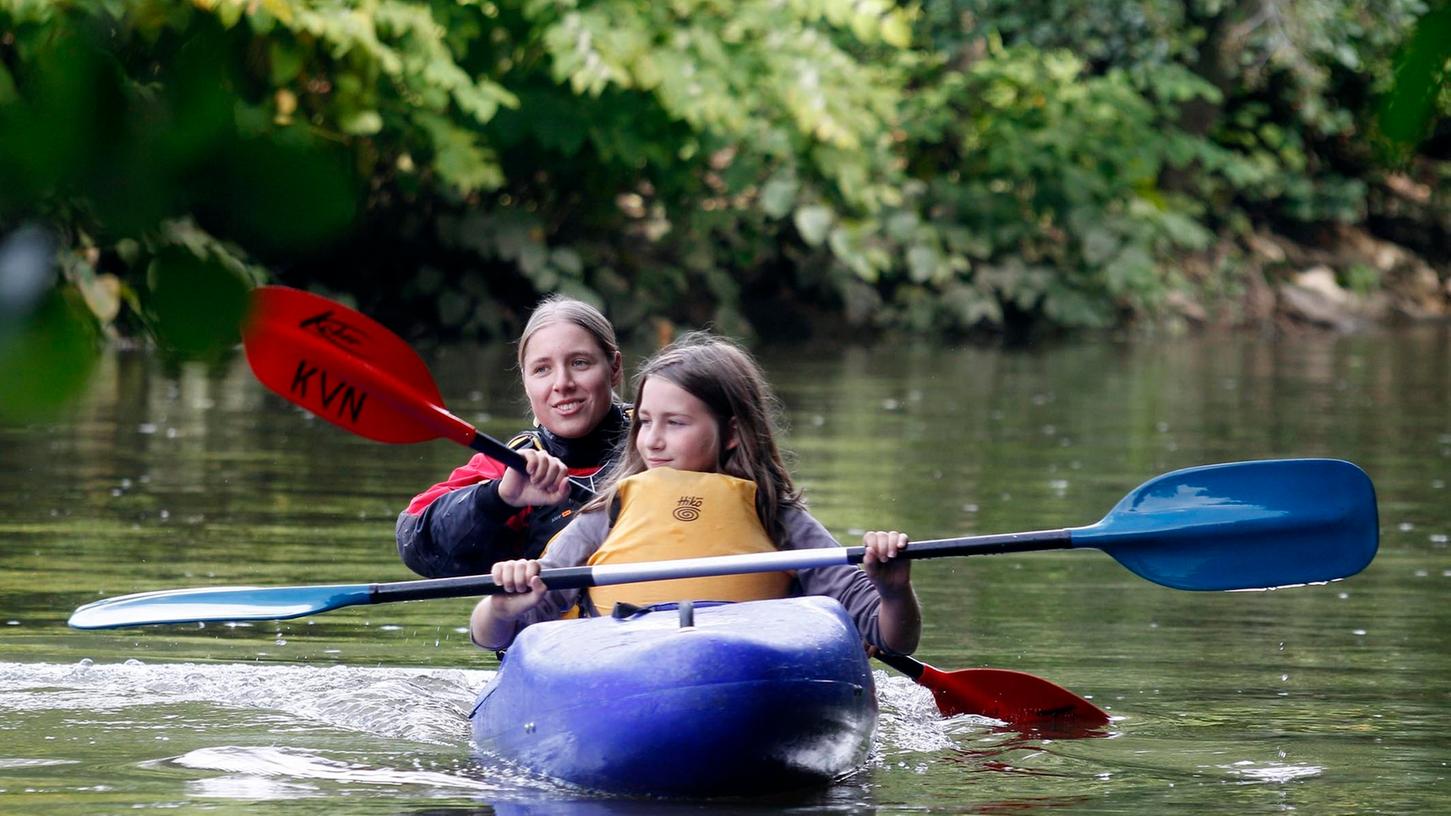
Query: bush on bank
[764, 166]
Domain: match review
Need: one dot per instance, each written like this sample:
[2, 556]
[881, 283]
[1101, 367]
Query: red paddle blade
[1014, 697]
[345, 367]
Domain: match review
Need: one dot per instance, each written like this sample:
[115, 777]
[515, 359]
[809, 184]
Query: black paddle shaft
[467, 585]
[581, 577]
[979, 545]
[494, 449]
[910, 666]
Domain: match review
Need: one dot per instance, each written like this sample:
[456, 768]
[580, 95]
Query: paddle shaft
[498, 451]
[612, 574]
[1245, 525]
[910, 666]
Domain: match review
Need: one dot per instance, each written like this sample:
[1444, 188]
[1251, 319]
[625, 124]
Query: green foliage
[1297, 82]
[938, 167]
[1047, 181]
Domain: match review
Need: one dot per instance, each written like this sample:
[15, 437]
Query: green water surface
[1327, 699]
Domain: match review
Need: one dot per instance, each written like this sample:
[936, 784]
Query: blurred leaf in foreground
[26, 271]
[1420, 76]
[196, 305]
[48, 340]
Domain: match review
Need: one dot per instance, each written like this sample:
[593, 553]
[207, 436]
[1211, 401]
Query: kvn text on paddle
[348, 398]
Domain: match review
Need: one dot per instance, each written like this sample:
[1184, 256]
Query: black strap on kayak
[625, 611]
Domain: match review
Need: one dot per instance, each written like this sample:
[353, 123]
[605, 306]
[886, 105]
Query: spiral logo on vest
[688, 508]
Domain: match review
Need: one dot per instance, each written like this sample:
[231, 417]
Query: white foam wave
[271, 772]
[423, 705]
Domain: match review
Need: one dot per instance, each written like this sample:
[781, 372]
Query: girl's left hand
[889, 569]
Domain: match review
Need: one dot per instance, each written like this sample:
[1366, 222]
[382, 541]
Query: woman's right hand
[547, 481]
[523, 588]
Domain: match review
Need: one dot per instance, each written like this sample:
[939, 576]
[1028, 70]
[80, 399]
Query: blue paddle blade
[217, 604]
[1244, 525]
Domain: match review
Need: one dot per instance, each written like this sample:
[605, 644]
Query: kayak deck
[751, 698]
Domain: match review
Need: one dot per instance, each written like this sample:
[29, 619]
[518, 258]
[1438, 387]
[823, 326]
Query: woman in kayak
[570, 364]
[702, 475]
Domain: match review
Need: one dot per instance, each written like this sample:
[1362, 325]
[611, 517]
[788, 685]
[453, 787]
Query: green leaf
[459, 157]
[196, 305]
[902, 225]
[284, 61]
[8, 94]
[897, 30]
[567, 261]
[361, 122]
[534, 260]
[922, 263]
[968, 306]
[779, 195]
[1099, 244]
[814, 223]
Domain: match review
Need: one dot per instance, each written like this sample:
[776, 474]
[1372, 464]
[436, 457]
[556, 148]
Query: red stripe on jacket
[479, 469]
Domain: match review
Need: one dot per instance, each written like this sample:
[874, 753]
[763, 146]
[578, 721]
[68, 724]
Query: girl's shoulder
[578, 540]
[803, 530]
[592, 519]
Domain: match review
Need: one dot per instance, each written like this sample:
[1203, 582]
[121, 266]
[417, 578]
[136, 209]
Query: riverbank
[1351, 280]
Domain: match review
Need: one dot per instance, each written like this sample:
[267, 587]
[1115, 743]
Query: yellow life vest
[666, 513]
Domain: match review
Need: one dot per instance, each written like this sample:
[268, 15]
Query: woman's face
[676, 429]
[568, 379]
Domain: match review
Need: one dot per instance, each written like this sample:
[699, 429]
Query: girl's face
[568, 378]
[676, 429]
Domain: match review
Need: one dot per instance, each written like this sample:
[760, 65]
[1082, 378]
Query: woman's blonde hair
[724, 376]
[558, 308]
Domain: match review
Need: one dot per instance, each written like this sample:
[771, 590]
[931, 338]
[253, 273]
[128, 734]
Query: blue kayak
[718, 700]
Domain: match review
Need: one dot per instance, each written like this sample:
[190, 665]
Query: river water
[1321, 699]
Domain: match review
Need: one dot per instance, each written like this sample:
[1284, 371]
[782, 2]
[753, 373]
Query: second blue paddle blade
[217, 604]
[1244, 525]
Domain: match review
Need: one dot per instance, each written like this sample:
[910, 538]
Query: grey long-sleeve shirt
[847, 584]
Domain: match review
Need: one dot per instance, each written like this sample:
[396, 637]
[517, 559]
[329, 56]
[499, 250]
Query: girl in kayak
[570, 364]
[701, 475]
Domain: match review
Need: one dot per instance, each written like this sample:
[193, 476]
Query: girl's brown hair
[725, 377]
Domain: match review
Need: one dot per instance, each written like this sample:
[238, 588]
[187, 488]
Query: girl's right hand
[523, 588]
[885, 563]
[547, 481]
